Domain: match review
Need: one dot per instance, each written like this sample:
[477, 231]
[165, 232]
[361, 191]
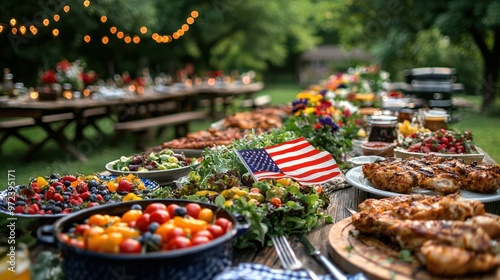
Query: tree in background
[228, 34]
[392, 28]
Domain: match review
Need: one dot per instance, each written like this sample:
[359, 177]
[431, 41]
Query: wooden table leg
[59, 137]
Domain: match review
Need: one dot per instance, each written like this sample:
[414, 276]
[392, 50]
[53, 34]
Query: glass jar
[383, 129]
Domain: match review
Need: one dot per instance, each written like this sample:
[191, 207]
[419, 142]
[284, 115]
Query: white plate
[356, 179]
[162, 177]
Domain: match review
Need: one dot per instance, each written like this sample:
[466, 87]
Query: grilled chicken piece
[488, 222]
[444, 260]
[421, 207]
[483, 178]
[439, 174]
[413, 234]
[377, 215]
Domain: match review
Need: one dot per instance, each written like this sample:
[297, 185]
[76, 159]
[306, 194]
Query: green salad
[162, 160]
[273, 207]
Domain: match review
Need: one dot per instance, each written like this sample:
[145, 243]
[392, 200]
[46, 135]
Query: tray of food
[55, 195]
[418, 237]
[442, 143]
[428, 175]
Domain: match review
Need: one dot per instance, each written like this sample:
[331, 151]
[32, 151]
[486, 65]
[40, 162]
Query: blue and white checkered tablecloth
[254, 271]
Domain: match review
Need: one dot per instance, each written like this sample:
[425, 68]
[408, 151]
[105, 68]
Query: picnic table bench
[140, 127]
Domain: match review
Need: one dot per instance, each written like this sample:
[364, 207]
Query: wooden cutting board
[378, 258]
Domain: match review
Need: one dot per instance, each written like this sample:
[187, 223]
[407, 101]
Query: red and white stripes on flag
[296, 159]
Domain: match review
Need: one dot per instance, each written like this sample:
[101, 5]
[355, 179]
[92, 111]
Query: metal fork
[287, 256]
[350, 210]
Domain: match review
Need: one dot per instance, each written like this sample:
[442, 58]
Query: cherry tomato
[204, 232]
[142, 222]
[194, 224]
[206, 214]
[97, 220]
[80, 229]
[131, 215]
[96, 242]
[275, 201]
[175, 232]
[163, 231]
[160, 216]
[93, 231]
[224, 223]
[171, 209]
[197, 240]
[216, 230]
[64, 238]
[193, 209]
[130, 246]
[155, 206]
[112, 245]
[178, 242]
[78, 243]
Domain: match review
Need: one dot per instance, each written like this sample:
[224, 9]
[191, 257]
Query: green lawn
[99, 150]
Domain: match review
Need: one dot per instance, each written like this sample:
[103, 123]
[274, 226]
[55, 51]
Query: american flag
[296, 159]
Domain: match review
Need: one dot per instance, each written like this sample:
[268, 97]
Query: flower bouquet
[327, 124]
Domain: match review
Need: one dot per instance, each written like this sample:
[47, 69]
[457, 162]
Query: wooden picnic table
[83, 113]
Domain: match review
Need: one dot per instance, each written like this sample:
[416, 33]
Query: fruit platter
[163, 166]
[443, 143]
[55, 195]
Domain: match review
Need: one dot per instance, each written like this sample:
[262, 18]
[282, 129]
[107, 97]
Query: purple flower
[323, 92]
[299, 104]
[328, 121]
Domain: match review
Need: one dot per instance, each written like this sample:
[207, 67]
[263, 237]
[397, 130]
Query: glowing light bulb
[195, 14]
[136, 39]
[86, 38]
[128, 39]
[144, 29]
[190, 20]
[66, 9]
[105, 40]
[46, 22]
[55, 32]
[86, 3]
[56, 17]
[113, 30]
[119, 34]
[104, 19]
[185, 27]
[13, 21]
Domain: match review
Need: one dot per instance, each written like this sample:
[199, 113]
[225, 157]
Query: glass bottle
[8, 84]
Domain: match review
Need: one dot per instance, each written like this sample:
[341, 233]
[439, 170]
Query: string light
[135, 38]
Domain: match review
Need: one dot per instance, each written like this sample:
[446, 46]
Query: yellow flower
[131, 196]
[309, 110]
